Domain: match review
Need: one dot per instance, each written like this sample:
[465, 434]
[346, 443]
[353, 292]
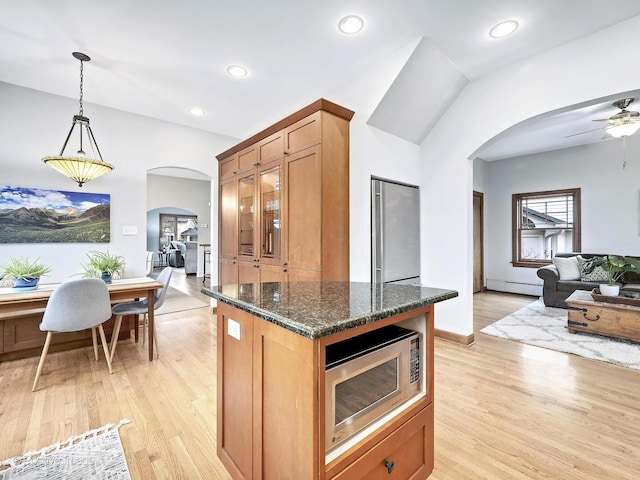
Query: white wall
[34, 124]
[591, 67]
[610, 199]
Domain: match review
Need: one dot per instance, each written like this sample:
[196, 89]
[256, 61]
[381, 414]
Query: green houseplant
[614, 267]
[24, 272]
[103, 265]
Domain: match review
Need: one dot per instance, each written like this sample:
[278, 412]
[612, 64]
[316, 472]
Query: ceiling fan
[622, 124]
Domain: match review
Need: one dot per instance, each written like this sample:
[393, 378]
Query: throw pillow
[567, 267]
[598, 274]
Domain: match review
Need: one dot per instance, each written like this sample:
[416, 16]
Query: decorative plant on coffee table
[615, 267]
[24, 272]
[104, 265]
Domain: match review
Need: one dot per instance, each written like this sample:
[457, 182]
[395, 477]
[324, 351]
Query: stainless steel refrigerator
[395, 232]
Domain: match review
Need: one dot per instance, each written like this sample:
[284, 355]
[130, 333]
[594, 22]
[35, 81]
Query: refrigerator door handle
[377, 237]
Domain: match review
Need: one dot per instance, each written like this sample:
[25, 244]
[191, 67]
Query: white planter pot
[609, 290]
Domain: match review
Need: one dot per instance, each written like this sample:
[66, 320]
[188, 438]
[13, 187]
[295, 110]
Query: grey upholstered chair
[141, 307]
[76, 305]
[150, 256]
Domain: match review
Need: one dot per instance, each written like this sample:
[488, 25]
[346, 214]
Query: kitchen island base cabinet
[266, 405]
[269, 407]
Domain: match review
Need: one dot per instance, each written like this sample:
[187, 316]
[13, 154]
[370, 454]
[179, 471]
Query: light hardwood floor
[503, 410]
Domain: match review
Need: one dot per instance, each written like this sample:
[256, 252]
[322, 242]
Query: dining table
[15, 303]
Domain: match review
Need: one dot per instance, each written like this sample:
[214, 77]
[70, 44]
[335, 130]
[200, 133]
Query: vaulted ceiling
[160, 58]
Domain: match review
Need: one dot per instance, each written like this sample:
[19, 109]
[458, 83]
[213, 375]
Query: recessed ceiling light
[197, 111]
[351, 24]
[237, 71]
[504, 29]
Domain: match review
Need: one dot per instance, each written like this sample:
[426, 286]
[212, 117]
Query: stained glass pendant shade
[80, 167]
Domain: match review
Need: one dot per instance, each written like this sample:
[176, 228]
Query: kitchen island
[272, 341]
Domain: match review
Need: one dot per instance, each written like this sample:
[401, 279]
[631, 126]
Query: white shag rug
[546, 327]
[96, 455]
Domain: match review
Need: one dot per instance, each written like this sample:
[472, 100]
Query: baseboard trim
[465, 340]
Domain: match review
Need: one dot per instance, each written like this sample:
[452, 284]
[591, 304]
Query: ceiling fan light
[623, 130]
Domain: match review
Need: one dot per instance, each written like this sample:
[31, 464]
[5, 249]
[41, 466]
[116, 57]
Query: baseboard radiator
[508, 286]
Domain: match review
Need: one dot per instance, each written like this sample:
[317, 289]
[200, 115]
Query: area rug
[546, 327]
[177, 301]
[97, 454]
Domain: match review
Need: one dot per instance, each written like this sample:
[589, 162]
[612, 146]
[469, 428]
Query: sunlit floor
[503, 410]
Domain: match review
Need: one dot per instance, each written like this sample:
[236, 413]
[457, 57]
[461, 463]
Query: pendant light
[80, 167]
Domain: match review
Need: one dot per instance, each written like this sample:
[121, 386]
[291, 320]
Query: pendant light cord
[81, 81]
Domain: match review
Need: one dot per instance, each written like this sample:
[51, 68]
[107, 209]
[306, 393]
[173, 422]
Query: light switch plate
[233, 329]
[129, 230]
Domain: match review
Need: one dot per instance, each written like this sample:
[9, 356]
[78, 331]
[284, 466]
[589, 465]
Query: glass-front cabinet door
[246, 215]
[271, 213]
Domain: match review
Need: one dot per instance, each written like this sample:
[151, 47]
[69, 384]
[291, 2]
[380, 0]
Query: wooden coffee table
[604, 318]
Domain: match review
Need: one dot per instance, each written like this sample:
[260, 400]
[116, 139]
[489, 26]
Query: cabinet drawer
[405, 454]
[302, 134]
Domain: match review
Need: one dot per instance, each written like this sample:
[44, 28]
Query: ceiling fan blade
[601, 120]
[586, 131]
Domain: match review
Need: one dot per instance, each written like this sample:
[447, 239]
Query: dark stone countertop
[318, 309]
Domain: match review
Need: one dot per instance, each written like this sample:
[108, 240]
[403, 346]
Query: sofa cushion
[567, 267]
[598, 274]
[572, 285]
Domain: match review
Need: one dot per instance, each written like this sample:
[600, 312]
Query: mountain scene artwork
[32, 215]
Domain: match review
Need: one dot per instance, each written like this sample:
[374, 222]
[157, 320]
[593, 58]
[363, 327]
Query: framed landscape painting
[32, 215]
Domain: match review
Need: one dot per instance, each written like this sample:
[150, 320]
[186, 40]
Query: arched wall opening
[180, 191]
[568, 75]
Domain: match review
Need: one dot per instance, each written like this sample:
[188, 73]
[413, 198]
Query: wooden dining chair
[76, 305]
[141, 307]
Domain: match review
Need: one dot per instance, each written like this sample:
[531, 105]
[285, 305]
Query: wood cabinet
[403, 454]
[284, 200]
[270, 389]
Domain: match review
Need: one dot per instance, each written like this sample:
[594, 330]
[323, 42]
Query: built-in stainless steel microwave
[366, 377]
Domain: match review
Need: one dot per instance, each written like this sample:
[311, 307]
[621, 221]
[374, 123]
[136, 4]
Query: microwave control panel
[414, 361]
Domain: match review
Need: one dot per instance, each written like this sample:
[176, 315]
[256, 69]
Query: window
[178, 228]
[545, 223]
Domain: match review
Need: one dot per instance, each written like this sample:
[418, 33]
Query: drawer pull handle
[584, 314]
[580, 324]
[389, 464]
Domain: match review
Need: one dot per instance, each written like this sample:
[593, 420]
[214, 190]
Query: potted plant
[25, 273]
[615, 267]
[104, 265]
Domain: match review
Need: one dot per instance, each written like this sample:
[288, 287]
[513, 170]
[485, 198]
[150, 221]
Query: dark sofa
[176, 253]
[556, 291]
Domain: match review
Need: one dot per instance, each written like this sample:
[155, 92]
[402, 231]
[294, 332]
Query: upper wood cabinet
[284, 200]
[302, 134]
[228, 167]
[248, 158]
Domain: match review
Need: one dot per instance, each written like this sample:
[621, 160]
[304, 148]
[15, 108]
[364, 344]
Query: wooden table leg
[151, 299]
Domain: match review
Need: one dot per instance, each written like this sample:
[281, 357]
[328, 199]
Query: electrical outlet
[233, 329]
